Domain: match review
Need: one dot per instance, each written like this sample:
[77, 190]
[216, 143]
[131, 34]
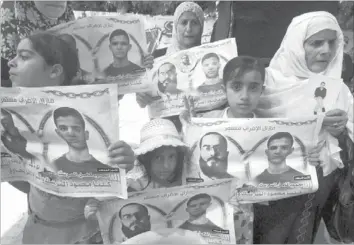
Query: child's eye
[237, 86]
[254, 87]
[23, 57]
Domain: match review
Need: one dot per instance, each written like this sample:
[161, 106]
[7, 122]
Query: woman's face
[29, 69]
[164, 162]
[189, 30]
[320, 49]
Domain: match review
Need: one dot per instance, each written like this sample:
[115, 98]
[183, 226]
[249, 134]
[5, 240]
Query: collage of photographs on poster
[228, 161]
[178, 75]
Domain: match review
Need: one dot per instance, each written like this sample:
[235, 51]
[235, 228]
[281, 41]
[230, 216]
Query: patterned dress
[20, 19]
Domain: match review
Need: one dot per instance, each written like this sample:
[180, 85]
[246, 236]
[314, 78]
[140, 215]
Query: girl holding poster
[45, 60]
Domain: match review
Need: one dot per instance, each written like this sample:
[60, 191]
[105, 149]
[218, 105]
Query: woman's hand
[144, 99]
[148, 61]
[121, 155]
[313, 157]
[335, 121]
[91, 209]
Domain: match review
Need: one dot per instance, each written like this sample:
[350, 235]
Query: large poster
[197, 72]
[197, 214]
[268, 155]
[51, 138]
[111, 49]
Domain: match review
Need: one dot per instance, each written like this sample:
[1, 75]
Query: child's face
[211, 67]
[28, 68]
[164, 162]
[243, 93]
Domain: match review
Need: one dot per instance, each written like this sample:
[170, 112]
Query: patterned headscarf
[182, 8]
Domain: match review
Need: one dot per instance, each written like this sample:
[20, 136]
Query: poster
[198, 214]
[196, 72]
[268, 155]
[110, 49]
[314, 96]
[53, 140]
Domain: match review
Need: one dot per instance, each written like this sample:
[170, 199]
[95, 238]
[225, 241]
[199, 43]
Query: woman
[45, 60]
[187, 33]
[20, 19]
[313, 45]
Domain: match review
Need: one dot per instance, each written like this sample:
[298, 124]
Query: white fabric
[225, 113]
[182, 8]
[290, 61]
[156, 133]
[288, 70]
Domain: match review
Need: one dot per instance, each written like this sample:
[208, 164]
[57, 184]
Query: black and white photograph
[197, 213]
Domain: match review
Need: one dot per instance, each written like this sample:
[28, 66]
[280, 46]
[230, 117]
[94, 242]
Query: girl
[45, 60]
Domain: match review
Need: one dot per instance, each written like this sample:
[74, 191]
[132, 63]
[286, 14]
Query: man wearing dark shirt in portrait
[196, 208]
[71, 128]
[279, 147]
[320, 94]
[119, 44]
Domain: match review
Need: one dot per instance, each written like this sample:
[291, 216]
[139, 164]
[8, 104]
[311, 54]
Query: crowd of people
[312, 44]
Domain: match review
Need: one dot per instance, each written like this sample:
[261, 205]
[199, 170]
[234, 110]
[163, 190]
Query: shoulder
[61, 158]
[159, 52]
[212, 114]
[133, 65]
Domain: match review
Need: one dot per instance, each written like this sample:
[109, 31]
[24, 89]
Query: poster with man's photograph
[268, 155]
[111, 49]
[197, 72]
[194, 214]
[313, 96]
[52, 139]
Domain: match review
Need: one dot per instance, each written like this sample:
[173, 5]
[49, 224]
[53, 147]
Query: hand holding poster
[268, 155]
[196, 71]
[192, 214]
[110, 49]
[51, 138]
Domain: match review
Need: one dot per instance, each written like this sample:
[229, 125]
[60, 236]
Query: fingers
[121, 154]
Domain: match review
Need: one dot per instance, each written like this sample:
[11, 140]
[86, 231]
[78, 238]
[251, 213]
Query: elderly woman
[313, 45]
[187, 33]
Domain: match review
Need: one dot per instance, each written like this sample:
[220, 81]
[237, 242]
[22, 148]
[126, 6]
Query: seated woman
[45, 60]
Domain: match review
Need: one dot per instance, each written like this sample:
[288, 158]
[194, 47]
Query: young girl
[160, 159]
[45, 60]
[161, 152]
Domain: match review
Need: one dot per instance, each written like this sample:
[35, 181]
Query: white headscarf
[182, 8]
[290, 61]
[288, 71]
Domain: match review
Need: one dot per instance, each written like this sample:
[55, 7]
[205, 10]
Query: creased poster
[313, 96]
[268, 155]
[51, 138]
[110, 49]
[195, 214]
[197, 72]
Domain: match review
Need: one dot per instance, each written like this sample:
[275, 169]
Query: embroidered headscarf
[290, 61]
[182, 8]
